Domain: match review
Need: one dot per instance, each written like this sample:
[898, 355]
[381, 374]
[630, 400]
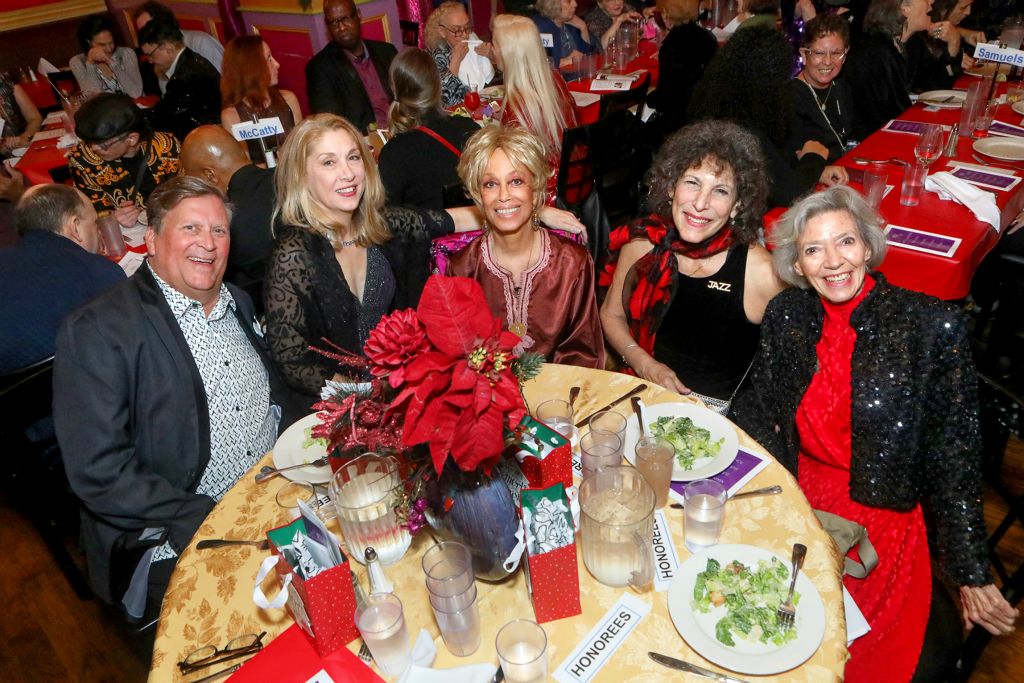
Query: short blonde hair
[297, 206]
[432, 37]
[523, 149]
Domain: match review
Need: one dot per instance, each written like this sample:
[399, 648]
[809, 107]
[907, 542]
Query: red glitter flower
[398, 339]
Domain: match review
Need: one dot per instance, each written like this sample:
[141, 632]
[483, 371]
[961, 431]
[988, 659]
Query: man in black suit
[349, 77]
[191, 95]
[163, 398]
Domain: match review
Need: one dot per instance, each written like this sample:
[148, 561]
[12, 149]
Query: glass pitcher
[365, 491]
[617, 506]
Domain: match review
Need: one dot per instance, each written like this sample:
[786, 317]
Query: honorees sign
[1004, 55]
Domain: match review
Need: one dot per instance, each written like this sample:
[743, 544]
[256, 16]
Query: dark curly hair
[825, 24]
[725, 146]
[88, 29]
[747, 82]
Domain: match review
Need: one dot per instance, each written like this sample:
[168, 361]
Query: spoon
[766, 491]
[639, 416]
[573, 395]
[268, 473]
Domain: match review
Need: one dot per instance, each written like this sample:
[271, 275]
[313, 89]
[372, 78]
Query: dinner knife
[674, 663]
[635, 390]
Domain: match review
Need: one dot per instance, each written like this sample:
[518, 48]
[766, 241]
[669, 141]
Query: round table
[210, 595]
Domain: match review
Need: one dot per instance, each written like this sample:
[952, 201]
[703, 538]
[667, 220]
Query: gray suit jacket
[333, 85]
[133, 424]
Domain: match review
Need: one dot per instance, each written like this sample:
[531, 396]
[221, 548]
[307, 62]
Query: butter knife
[673, 663]
[632, 392]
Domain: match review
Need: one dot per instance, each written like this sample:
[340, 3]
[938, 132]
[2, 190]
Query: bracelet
[623, 355]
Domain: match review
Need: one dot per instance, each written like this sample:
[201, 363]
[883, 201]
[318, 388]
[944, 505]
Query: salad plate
[719, 433]
[943, 99]
[297, 446]
[1008, 149]
[698, 628]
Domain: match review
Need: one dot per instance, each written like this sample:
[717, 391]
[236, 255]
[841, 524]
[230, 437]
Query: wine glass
[929, 144]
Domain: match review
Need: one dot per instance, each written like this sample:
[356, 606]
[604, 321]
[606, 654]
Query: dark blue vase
[482, 516]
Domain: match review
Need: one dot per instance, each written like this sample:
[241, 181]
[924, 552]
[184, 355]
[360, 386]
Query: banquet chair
[620, 160]
[34, 472]
[630, 100]
[576, 189]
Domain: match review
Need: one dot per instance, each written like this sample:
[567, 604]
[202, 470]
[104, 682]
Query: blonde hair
[523, 149]
[297, 206]
[432, 37]
[529, 86]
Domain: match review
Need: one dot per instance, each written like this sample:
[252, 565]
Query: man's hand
[127, 214]
[834, 175]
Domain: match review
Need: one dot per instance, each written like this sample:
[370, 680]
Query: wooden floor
[47, 634]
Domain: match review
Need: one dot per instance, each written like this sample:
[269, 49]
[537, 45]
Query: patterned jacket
[108, 183]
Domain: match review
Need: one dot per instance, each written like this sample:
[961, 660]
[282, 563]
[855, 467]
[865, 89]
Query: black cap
[106, 116]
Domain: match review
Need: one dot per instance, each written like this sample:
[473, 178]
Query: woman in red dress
[867, 393]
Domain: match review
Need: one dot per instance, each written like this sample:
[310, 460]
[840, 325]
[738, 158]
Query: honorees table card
[1007, 129]
[919, 240]
[988, 178]
[745, 467]
[666, 559]
[604, 639]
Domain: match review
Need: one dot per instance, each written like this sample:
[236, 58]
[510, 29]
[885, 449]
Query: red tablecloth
[40, 92]
[647, 61]
[39, 159]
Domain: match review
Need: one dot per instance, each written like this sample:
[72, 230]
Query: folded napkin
[423, 654]
[67, 141]
[475, 69]
[981, 203]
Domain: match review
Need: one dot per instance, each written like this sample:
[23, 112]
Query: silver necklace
[823, 105]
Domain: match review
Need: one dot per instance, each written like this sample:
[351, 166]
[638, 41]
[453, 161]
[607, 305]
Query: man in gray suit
[349, 77]
[163, 398]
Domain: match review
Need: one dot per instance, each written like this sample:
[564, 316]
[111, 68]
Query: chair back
[576, 188]
[629, 100]
[620, 159]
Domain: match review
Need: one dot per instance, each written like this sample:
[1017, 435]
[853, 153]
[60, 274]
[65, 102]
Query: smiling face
[833, 256]
[190, 252]
[704, 201]
[916, 12]
[336, 174]
[824, 59]
[272, 64]
[506, 193]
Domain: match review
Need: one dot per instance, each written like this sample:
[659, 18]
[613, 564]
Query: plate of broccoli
[723, 603]
[705, 442]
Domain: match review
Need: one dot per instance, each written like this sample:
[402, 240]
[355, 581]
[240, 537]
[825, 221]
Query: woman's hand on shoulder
[562, 220]
[986, 606]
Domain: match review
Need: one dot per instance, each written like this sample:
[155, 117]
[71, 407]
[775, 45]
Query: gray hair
[45, 208]
[551, 9]
[169, 194]
[787, 232]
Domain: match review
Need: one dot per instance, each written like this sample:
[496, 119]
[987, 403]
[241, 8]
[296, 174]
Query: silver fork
[786, 611]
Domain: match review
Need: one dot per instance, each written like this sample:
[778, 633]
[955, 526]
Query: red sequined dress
[895, 597]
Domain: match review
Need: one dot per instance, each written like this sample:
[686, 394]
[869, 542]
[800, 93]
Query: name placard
[603, 640]
[1004, 55]
[247, 130]
[666, 559]
[547, 40]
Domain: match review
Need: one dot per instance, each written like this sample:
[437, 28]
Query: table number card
[603, 640]
[666, 559]
[987, 178]
[919, 240]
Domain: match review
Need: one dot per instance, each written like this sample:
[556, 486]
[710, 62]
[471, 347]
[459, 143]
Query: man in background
[200, 42]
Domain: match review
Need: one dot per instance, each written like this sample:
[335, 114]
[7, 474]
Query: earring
[536, 220]
[486, 227]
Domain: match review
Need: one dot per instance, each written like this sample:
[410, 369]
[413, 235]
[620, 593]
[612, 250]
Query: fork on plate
[787, 611]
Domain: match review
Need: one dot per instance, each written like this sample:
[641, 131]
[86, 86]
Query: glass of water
[522, 647]
[599, 449]
[704, 512]
[557, 414]
[381, 622]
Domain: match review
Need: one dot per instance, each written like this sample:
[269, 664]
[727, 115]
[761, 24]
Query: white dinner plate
[1010, 149]
[19, 151]
[938, 98]
[719, 427]
[296, 446]
[1018, 106]
[698, 630]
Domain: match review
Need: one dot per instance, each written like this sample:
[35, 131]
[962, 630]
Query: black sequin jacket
[914, 422]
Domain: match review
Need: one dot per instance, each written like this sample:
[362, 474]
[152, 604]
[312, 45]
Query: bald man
[211, 153]
[49, 272]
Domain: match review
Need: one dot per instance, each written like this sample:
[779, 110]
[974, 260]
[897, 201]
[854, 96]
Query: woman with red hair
[248, 88]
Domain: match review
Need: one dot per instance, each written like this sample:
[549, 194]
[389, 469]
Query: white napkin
[981, 203]
[423, 654]
[475, 69]
[856, 624]
[46, 67]
[67, 141]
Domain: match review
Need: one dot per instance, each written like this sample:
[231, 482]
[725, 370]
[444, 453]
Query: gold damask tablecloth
[210, 596]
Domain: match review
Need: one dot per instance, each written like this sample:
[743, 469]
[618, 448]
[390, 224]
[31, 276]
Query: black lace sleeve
[418, 224]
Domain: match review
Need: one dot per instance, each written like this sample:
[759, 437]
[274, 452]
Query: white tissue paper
[981, 203]
[423, 654]
[475, 69]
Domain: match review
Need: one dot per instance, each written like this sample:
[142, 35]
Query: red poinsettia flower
[460, 396]
[397, 340]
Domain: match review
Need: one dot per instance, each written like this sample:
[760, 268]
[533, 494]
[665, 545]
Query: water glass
[459, 624]
[599, 449]
[616, 524]
[522, 647]
[381, 622]
[655, 459]
[449, 568]
[365, 491]
[453, 603]
[111, 237]
[289, 495]
[557, 414]
[609, 421]
[704, 513]
[875, 178]
[986, 113]
[913, 184]
[976, 92]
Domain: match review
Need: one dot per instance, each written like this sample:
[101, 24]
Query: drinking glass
[617, 521]
[986, 113]
[557, 414]
[913, 184]
[289, 495]
[969, 112]
[599, 449]
[472, 99]
[111, 237]
[459, 623]
[704, 512]
[655, 459]
[365, 491]
[449, 568]
[875, 178]
[522, 647]
[609, 421]
[929, 144]
[381, 622]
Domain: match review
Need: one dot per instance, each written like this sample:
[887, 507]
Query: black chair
[620, 159]
[34, 465]
[629, 100]
[577, 185]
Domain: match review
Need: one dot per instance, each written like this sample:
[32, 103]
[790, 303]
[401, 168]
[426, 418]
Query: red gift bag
[554, 584]
[544, 455]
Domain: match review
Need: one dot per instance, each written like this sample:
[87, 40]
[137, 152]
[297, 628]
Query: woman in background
[248, 87]
[101, 66]
[446, 34]
[22, 119]
[568, 33]
[604, 19]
